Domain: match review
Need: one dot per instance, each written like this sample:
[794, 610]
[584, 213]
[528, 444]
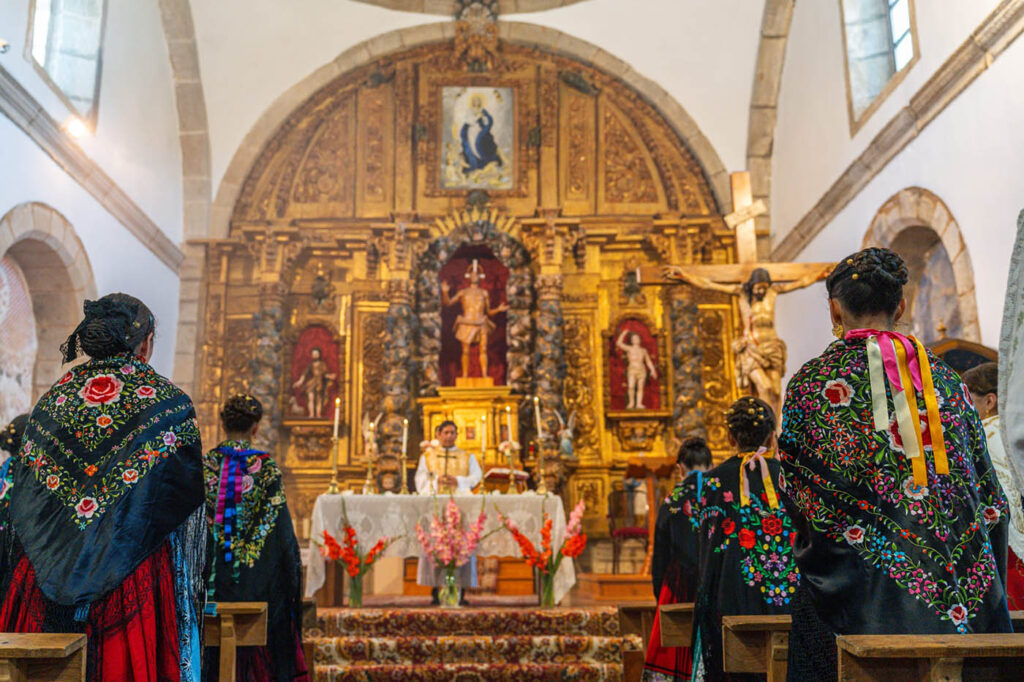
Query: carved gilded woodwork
[716, 332]
[580, 386]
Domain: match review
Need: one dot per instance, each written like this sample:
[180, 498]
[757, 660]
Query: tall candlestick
[508, 422]
[483, 437]
[536, 414]
[337, 415]
[403, 473]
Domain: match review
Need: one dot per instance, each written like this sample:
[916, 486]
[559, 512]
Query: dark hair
[117, 323]
[10, 438]
[750, 421]
[446, 422]
[240, 413]
[694, 452]
[983, 379]
[869, 282]
[758, 276]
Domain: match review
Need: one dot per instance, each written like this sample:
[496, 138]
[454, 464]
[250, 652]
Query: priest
[445, 469]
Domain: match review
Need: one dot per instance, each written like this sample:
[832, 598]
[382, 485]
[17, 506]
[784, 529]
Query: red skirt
[1014, 581]
[132, 631]
[666, 663]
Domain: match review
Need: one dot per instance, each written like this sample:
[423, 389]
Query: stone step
[484, 672]
[467, 621]
[482, 649]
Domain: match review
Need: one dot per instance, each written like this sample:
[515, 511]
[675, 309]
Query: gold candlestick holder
[403, 474]
[513, 484]
[332, 487]
[370, 484]
[542, 488]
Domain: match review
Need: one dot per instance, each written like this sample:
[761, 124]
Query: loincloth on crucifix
[768, 355]
[470, 331]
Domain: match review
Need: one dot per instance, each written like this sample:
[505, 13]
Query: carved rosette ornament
[397, 392]
[549, 356]
[687, 360]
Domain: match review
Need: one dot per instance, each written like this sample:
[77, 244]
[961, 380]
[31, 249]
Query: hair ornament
[849, 261]
[855, 276]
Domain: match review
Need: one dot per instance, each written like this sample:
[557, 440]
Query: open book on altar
[501, 475]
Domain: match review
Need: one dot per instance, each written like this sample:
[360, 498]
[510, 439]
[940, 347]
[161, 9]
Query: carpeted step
[369, 622]
[449, 650]
[482, 672]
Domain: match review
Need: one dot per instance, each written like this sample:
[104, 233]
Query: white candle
[405, 435]
[483, 436]
[337, 415]
[508, 421]
[536, 414]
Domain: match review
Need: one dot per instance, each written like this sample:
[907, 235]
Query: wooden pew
[637, 619]
[308, 647]
[57, 657]
[930, 658]
[676, 624]
[1017, 618]
[236, 624]
[756, 644]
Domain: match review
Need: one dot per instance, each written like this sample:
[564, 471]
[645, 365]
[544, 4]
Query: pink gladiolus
[575, 524]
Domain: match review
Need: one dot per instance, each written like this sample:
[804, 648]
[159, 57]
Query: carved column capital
[549, 287]
[400, 291]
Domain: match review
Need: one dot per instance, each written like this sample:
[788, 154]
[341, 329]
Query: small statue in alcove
[638, 363]
[314, 382]
[474, 325]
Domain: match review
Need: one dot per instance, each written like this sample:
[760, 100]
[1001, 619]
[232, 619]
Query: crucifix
[760, 354]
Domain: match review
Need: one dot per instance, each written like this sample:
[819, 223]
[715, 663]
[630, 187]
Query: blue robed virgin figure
[481, 150]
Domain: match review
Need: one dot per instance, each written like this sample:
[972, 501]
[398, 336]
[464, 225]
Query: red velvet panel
[617, 366]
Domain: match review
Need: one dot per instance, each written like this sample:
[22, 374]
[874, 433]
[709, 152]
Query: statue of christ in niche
[473, 327]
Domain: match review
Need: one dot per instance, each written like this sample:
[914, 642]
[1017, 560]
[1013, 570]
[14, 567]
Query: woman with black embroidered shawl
[253, 554]
[901, 519]
[745, 538]
[107, 507]
[674, 562]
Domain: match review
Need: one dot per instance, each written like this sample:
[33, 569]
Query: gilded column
[687, 361]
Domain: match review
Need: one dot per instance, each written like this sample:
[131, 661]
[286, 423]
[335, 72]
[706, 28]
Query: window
[65, 44]
[881, 45]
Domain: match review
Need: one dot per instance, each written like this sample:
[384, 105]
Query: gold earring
[837, 330]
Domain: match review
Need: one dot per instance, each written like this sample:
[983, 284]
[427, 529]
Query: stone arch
[527, 35]
[916, 223]
[448, 7]
[55, 265]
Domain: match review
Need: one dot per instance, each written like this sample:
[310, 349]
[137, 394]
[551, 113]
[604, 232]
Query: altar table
[377, 516]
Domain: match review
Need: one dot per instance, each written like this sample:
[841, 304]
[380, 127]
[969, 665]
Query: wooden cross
[744, 210]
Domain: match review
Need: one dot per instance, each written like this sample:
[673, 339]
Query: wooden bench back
[44, 656]
[930, 657]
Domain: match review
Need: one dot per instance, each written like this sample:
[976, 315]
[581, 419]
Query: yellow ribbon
[753, 459]
[909, 419]
[931, 404]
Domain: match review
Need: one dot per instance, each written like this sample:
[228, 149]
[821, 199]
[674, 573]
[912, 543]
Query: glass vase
[547, 590]
[355, 591]
[448, 592]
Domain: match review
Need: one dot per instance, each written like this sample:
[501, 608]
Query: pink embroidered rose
[957, 614]
[727, 496]
[128, 369]
[86, 507]
[854, 535]
[838, 393]
[61, 399]
[247, 483]
[101, 390]
[255, 464]
[103, 421]
[130, 476]
[169, 438]
[145, 391]
[991, 515]
[913, 491]
[52, 481]
[896, 440]
[66, 378]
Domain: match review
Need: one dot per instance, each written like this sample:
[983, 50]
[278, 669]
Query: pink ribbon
[751, 461]
[892, 370]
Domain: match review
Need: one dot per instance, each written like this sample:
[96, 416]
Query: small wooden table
[756, 644]
[676, 624]
[58, 657]
[930, 658]
[236, 624]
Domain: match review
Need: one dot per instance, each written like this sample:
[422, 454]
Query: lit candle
[508, 421]
[405, 435]
[483, 436]
[337, 415]
[536, 414]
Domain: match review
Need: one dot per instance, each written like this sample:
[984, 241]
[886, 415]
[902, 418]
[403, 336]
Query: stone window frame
[857, 121]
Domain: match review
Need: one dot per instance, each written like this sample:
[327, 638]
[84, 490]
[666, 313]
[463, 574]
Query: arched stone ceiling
[447, 7]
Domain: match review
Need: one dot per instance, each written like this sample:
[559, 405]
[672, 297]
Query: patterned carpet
[470, 644]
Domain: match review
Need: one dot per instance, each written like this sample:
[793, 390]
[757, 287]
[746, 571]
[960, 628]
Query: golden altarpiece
[538, 179]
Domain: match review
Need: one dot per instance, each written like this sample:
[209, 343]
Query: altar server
[902, 522]
[745, 537]
[444, 469]
[253, 554]
[107, 507]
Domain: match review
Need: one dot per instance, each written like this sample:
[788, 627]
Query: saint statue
[638, 363]
[474, 324]
[314, 382]
[760, 353]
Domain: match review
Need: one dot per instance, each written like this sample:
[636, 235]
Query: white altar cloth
[377, 516]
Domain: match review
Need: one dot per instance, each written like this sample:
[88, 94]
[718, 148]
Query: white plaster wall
[136, 140]
[970, 156]
[813, 145]
[703, 53]
[119, 261]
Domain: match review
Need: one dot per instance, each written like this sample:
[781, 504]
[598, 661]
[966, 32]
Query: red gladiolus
[574, 546]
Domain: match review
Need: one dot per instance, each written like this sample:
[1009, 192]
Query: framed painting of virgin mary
[477, 138]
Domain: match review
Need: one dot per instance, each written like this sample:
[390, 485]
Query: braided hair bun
[869, 282]
[116, 323]
[240, 413]
[750, 421]
[10, 438]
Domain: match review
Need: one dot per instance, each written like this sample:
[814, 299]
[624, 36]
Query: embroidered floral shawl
[110, 465]
[883, 555]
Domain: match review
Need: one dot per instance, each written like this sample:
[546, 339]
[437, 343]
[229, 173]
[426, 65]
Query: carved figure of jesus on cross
[760, 353]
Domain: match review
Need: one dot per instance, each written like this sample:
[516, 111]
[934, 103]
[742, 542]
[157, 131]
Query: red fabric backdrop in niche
[617, 366]
[494, 282]
[312, 337]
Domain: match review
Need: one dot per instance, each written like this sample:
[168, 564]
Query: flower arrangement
[348, 552]
[449, 546]
[545, 560]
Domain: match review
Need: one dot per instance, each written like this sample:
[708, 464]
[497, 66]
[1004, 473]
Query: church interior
[539, 220]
